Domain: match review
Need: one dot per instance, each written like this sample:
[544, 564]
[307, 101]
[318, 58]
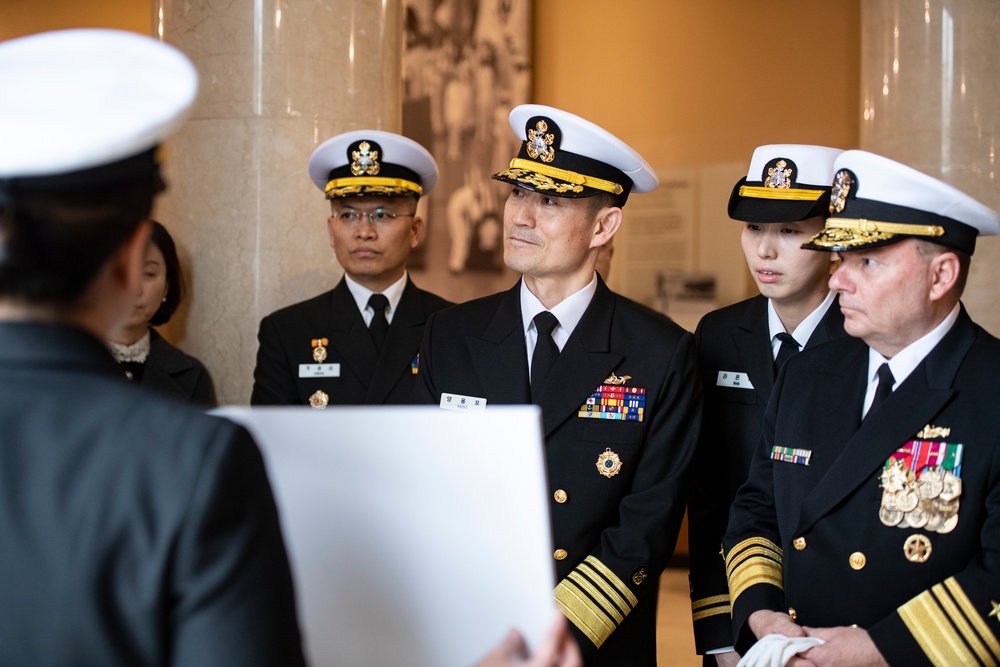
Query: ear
[416, 231]
[606, 223]
[944, 271]
[330, 222]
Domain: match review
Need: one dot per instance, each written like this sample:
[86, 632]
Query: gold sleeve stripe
[602, 591]
[594, 599]
[961, 624]
[612, 578]
[789, 194]
[751, 575]
[975, 618]
[752, 552]
[753, 541]
[378, 181]
[710, 606]
[581, 612]
[934, 632]
[569, 176]
[592, 591]
[704, 602]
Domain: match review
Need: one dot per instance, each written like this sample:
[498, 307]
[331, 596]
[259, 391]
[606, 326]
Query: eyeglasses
[352, 217]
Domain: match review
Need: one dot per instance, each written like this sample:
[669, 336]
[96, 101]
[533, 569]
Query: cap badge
[319, 349]
[608, 463]
[779, 176]
[539, 145]
[842, 183]
[364, 160]
[319, 400]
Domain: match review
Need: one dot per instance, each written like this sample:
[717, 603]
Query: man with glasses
[357, 343]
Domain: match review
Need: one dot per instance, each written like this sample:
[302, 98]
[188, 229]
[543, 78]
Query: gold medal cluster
[929, 502]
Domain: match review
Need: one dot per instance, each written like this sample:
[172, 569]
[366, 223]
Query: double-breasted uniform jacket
[136, 530]
[612, 535]
[365, 375]
[810, 537]
[172, 372]
[735, 340]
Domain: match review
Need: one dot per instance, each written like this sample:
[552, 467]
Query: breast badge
[319, 349]
[319, 400]
[608, 463]
[921, 484]
[613, 400]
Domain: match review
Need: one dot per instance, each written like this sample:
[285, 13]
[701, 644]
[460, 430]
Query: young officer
[871, 514]
[617, 383]
[358, 342]
[781, 202]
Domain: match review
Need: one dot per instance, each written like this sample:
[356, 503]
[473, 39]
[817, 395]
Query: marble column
[930, 98]
[278, 77]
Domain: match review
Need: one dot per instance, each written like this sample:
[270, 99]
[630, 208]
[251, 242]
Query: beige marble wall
[278, 77]
[930, 98]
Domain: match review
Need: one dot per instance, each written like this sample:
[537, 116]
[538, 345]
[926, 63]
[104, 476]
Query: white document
[417, 536]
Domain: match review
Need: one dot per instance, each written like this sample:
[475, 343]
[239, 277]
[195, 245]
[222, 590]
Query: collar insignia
[365, 160]
[540, 143]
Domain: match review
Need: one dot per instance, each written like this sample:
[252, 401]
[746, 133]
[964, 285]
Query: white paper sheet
[417, 536]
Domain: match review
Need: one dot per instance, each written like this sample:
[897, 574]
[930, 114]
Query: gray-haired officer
[871, 515]
[617, 383]
[782, 201]
[358, 342]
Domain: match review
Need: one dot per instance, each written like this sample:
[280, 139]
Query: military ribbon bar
[791, 455]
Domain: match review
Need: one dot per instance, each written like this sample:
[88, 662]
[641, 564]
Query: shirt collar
[910, 356]
[569, 311]
[806, 327]
[361, 294]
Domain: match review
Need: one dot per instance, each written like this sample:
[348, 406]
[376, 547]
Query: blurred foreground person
[145, 355]
[136, 530]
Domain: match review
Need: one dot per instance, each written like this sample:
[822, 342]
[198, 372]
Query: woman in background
[144, 354]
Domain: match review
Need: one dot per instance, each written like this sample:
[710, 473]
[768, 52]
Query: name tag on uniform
[319, 370]
[735, 379]
[459, 402]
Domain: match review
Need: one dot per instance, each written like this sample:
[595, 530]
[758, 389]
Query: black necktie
[789, 346]
[884, 388]
[545, 353]
[379, 324]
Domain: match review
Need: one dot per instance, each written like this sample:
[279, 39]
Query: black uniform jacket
[809, 537]
[366, 377]
[735, 339]
[172, 372]
[612, 535]
[136, 530]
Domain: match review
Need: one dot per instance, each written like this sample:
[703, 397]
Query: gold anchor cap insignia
[365, 160]
[539, 144]
[319, 349]
[608, 463]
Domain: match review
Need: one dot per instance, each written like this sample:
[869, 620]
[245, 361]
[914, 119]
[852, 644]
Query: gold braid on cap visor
[791, 194]
[862, 225]
[357, 182]
[568, 176]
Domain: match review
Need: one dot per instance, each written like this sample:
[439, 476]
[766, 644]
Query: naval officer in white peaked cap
[871, 515]
[136, 530]
[616, 382]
